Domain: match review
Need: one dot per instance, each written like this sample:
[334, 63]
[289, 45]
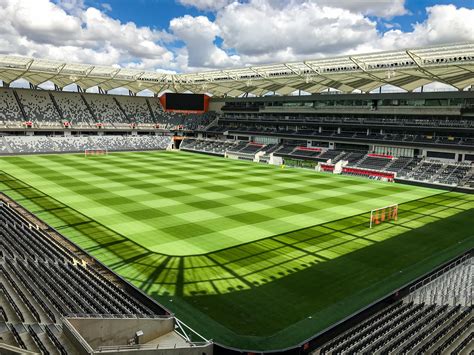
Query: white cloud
[106, 6]
[71, 6]
[199, 34]
[244, 32]
[444, 24]
[67, 31]
[262, 32]
[379, 8]
[266, 31]
[206, 5]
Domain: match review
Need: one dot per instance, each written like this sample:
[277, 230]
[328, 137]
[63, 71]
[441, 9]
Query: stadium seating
[285, 150]
[436, 317]
[38, 107]
[9, 109]
[74, 109]
[374, 163]
[136, 109]
[106, 110]
[61, 144]
[452, 285]
[244, 128]
[399, 164]
[454, 174]
[208, 146]
[331, 154]
[30, 144]
[42, 280]
[306, 152]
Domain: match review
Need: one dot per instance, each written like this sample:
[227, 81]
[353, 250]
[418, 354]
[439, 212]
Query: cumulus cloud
[67, 31]
[206, 5]
[199, 34]
[444, 24]
[264, 31]
[239, 32]
[261, 31]
[378, 8]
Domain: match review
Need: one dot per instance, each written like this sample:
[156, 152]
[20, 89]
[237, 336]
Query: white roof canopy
[406, 69]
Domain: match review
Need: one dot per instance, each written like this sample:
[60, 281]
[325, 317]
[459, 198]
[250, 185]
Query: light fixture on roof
[390, 74]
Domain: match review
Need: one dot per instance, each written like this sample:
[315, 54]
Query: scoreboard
[185, 102]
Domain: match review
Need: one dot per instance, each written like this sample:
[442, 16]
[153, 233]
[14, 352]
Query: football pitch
[253, 256]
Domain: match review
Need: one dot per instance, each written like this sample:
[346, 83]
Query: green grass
[253, 256]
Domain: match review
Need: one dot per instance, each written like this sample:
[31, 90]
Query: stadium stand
[59, 144]
[106, 109]
[374, 162]
[207, 146]
[49, 288]
[9, 110]
[74, 109]
[436, 318]
[47, 284]
[55, 109]
[136, 109]
[38, 107]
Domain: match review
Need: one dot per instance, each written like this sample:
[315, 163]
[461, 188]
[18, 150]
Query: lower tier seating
[61, 144]
[42, 280]
[416, 324]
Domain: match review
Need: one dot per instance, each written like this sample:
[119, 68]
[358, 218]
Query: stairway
[94, 116]
[20, 105]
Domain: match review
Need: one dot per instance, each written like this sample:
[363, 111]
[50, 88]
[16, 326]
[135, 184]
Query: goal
[88, 152]
[383, 214]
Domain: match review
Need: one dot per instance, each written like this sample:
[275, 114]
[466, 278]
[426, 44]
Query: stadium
[282, 208]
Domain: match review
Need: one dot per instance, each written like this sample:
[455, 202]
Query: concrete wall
[6, 349]
[114, 331]
[216, 105]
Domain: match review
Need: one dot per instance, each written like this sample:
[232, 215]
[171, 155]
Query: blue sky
[158, 13]
[190, 35]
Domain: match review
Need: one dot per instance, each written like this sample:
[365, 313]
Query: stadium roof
[406, 69]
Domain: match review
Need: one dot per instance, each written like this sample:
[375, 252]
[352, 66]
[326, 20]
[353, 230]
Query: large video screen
[185, 102]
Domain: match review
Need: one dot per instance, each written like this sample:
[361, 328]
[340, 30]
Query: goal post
[88, 152]
[383, 214]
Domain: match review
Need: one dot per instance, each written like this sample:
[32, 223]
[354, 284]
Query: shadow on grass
[277, 313]
[244, 295]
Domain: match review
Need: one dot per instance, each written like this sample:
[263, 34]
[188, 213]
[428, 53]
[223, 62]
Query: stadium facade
[331, 115]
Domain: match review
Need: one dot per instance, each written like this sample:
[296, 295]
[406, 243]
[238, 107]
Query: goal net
[88, 152]
[383, 214]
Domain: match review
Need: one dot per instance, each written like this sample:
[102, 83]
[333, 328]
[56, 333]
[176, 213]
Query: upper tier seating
[106, 109]
[74, 110]
[9, 109]
[38, 106]
[136, 108]
[164, 119]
